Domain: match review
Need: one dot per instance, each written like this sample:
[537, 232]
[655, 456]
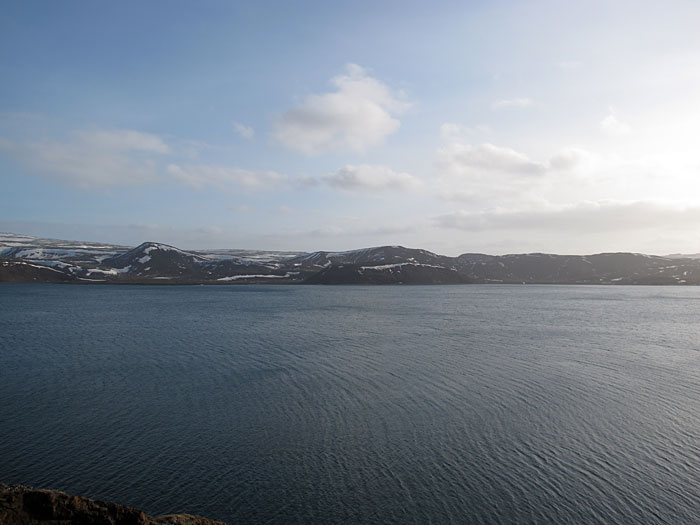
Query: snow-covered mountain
[380, 255]
[30, 259]
[15, 246]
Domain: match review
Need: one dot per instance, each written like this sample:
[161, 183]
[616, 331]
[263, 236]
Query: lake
[403, 404]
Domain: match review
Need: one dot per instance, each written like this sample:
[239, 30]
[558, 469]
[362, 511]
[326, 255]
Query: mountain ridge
[29, 259]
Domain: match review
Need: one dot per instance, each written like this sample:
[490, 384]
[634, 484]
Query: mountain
[28, 272]
[24, 247]
[396, 273]
[380, 265]
[368, 256]
[153, 260]
[603, 268]
[30, 259]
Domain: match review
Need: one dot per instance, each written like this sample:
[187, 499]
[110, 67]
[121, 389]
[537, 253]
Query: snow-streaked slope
[30, 259]
[14, 246]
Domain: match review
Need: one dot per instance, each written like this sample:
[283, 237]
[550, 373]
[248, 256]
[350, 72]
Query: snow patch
[258, 276]
[111, 271]
[398, 265]
[22, 263]
[104, 272]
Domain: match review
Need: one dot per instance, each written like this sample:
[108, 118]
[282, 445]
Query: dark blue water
[281, 404]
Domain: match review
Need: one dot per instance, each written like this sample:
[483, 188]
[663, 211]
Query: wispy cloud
[569, 65]
[224, 177]
[460, 156]
[350, 229]
[244, 131]
[123, 140]
[611, 125]
[359, 114]
[371, 177]
[93, 158]
[582, 217]
[523, 102]
[468, 171]
[463, 157]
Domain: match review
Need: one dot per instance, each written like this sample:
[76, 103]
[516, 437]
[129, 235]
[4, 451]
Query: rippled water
[282, 404]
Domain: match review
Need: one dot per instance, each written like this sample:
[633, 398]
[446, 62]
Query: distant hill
[30, 259]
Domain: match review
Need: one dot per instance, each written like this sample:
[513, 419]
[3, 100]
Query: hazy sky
[498, 127]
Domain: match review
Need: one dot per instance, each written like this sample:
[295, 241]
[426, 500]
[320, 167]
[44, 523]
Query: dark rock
[21, 505]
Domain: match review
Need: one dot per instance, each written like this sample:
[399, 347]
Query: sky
[467, 126]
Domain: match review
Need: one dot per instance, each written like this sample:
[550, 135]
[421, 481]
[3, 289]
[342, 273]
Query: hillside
[30, 259]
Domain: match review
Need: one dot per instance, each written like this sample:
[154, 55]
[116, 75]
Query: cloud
[244, 131]
[123, 140]
[569, 65]
[463, 158]
[128, 234]
[569, 159]
[613, 126]
[483, 172]
[354, 230]
[371, 177]
[203, 175]
[579, 218]
[93, 158]
[351, 178]
[459, 156]
[452, 131]
[358, 115]
[512, 103]
[103, 158]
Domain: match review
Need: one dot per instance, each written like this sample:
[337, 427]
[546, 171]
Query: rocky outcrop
[21, 505]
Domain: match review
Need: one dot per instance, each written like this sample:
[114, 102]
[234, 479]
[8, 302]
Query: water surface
[293, 404]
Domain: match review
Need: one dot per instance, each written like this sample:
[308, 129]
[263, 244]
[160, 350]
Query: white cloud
[488, 172]
[613, 126]
[244, 131]
[202, 175]
[462, 157]
[569, 65]
[351, 228]
[512, 103]
[123, 140]
[371, 177]
[359, 114]
[452, 131]
[95, 158]
[458, 156]
[569, 159]
[128, 233]
[579, 218]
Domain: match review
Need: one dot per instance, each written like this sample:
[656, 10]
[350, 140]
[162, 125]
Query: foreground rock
[27, 506]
